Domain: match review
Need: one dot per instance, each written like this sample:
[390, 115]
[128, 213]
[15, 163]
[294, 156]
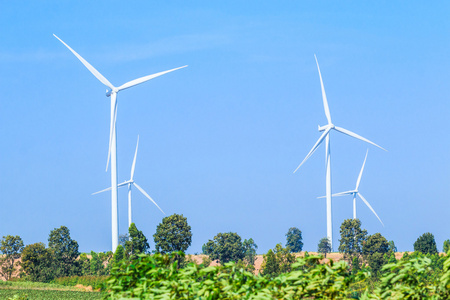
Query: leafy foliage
[163, 280]
[65, 251]
[85, 264]
[277, 261]
[270, 266]
[225, 247]
[324, 246]
[426, 244]
[11, 247]
[249, 251]
[352, 238]
[93, 281]
[409, 279]
[294, 240]
[37, 262]
[446, 246]
[138, 242]
[392, 246]
[206, 261]
[158, 277]
[374, 250]
[119, 255]
[123, 238]
[173, 234]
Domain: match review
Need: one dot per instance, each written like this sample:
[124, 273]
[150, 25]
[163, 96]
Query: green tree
[118, 256]
[225, 247]
[85, 264]
[206, 261]
[277, 261]
[294, 240]
[426, 244]
[11, 247]
[324, 246]
[352, 239]
[391, 259]
[37, 262]
[65, 250]
[249, 251]
[284, 258]
[96, 264]
[374, 251]
[446, 246]
[137, 244]
[270, 265]
[173, 234]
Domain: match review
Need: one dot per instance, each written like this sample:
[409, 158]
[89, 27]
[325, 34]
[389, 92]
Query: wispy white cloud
[121, 53]
[167, 46]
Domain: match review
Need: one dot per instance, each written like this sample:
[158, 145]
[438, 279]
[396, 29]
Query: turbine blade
[112, 125]
[362, 169]
[314, 148]
[119, 185]
[145, 78]
[134, 160]
[89, 67]
[101, 191]
[123, 184]
[146, 195]
[324, 96]
[356, 136]
[343, 193]
[338, 194]
[368, 205]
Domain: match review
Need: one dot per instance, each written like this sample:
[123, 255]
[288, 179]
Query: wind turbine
[112, 150]
[326, 136]
[356, 192]
[129, 183]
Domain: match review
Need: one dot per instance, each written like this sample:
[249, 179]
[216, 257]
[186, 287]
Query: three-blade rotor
[131, 182]
[356, 192]
[330, 126]
[114, 90]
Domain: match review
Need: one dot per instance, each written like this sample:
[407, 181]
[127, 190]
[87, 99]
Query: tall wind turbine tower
[112, 92]
[326, 135]
[356, 192]
[130, 183]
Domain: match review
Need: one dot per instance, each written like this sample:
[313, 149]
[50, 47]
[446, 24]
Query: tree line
[62, 258]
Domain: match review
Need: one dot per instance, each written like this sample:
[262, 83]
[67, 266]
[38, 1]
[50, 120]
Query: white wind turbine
[326, 135]
[112, 151]
[129, 183]
[356, 192]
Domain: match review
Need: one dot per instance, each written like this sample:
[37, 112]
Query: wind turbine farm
[112, 149]
[215, 184]
[129, 183]
[325, 136]
[356, 192]
[219, 141]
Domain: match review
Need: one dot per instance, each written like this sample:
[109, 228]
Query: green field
[35, 290]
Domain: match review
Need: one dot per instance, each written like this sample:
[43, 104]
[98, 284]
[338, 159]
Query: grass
[48, 291]
[47, 294]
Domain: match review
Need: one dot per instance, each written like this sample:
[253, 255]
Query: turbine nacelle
[110, 91]
[323, 128]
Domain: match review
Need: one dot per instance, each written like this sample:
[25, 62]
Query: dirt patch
[85, 288]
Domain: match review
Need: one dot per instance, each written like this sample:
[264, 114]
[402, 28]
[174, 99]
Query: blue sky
[219, 140]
